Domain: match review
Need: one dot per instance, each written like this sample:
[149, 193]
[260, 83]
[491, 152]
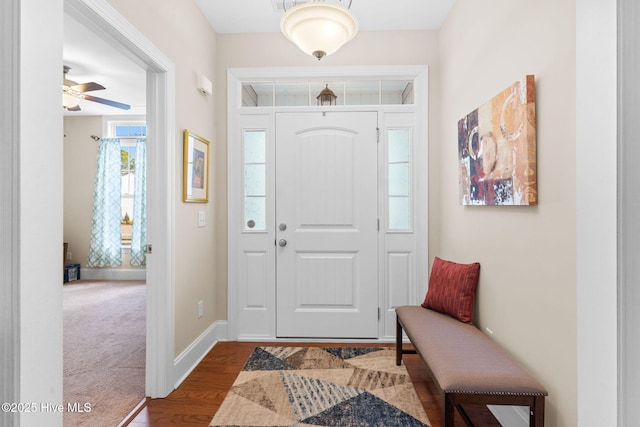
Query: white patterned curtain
[139, 232]
[105, 246]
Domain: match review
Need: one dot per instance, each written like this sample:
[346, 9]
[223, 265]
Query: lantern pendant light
[326, 97]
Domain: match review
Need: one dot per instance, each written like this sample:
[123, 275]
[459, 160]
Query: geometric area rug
[314, 386]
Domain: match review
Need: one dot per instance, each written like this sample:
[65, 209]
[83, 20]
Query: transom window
[302, 94]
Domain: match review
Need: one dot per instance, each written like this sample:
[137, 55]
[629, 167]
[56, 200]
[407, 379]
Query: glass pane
[132, 157]
[399, 179]
[127, 184]
[135, 131]
[292, 94]
[397, 92]
[254, 180]
[255, 213]
[362, 93]
[124, 160]
[127, 159]
[126, 207]
[126, 223]
[398, 145]
[398, 213]
[257, 95]
[255, 146]
[122, 130]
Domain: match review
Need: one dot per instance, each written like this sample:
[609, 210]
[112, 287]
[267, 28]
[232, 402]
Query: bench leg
[398, 342]
[448, 410]
[537, 412]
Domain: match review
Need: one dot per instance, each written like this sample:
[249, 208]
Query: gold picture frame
[195, 187]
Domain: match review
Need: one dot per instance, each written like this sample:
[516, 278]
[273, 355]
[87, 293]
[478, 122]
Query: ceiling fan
[72, 92]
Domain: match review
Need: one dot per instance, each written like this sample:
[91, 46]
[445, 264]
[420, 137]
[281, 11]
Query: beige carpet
[104, 351]
[313, 386]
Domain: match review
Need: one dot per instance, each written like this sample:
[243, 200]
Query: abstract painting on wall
[497, 149]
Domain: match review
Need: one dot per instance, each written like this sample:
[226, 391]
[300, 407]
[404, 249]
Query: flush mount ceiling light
[319, 28]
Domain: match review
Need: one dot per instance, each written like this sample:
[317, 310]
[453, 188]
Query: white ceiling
[259, 16]
[93, 60]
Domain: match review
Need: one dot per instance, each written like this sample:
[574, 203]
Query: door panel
[326, 196]
[326, 179]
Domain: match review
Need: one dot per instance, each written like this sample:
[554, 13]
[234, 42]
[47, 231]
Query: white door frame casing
[628, 88]
[235, 79]
[109, 24]
[9, 213]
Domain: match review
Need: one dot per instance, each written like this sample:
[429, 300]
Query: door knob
[282, 243]
[282, 226]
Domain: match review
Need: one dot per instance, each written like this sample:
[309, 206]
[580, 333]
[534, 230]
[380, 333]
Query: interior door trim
[236, 77]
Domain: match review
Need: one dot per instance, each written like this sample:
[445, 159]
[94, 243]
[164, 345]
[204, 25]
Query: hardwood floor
[194, 403]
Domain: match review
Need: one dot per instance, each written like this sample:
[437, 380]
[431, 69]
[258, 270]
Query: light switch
[201, 219]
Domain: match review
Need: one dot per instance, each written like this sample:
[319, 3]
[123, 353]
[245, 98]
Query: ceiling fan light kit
[319, 28]
[69, 102]
[73, 92]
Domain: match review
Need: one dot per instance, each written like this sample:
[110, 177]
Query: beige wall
[273, 50]
[186, 38]
[527, 289]
[79, 179]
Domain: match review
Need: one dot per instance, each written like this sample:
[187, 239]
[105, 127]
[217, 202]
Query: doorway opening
[106, 23]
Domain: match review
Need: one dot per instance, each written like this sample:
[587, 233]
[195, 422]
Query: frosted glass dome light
[319, 28]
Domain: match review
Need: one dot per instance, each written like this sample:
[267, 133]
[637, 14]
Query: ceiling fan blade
[86, 87]
[105, 101]
[76, 108]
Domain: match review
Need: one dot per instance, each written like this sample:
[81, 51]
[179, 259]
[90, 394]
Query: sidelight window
[399, 178]
[255, 180]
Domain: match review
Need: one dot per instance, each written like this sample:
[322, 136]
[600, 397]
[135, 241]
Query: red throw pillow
[452, 288]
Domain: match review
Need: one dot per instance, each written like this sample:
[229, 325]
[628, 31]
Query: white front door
[327, 224]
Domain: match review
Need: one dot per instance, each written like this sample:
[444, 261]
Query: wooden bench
[467, 365]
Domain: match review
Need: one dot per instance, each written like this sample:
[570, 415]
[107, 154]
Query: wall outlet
[200, 309]
[69, 257]
[201, 219]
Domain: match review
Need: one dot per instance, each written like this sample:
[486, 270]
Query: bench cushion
[462, 358]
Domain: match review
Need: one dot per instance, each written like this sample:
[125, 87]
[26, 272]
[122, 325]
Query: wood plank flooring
[194, 403]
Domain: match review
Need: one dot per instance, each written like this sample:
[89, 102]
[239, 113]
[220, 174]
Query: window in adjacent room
[128, 132]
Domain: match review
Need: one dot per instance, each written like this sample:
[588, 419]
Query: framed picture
[196, 169]
[497, 149]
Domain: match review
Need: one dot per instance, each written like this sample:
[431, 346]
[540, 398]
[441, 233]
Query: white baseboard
[113, 274]
[192, 355]
[511, 416]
